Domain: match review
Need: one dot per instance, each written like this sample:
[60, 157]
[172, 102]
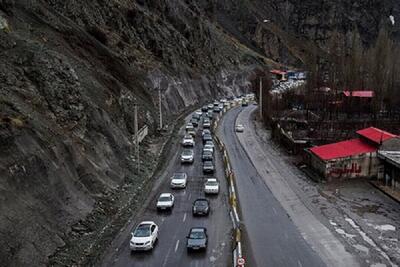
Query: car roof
[146, 222]
[211, 180]
[180, 173]
[165, 195]
[201, 199]
[198, 229]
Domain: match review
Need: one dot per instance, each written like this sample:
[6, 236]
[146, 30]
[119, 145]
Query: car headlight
[148, 242]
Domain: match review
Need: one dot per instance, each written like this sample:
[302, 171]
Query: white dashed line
[184, 217]
[189, 196]
[274, 210]
[300, 265]
[177, 245]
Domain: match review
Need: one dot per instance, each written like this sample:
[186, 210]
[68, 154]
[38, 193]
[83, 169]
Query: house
[351, 158]
[279, 75]
[358, 100]
[389, 153]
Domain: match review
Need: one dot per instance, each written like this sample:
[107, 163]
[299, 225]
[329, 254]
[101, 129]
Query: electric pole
[137, 150]
[261, 99]
[159, 107]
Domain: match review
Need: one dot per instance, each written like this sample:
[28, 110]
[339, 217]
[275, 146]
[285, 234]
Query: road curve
[170, 250]
[274, 239]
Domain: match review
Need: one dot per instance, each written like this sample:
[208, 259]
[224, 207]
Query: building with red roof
[279, 74]
[351, 158]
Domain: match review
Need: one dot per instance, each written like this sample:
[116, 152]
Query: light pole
[159, 107]
[137, 150]
[261, 99]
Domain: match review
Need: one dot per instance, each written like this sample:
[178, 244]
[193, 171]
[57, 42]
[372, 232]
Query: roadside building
[351, 158]
[358, 100]
[279, 75]
[389, 153]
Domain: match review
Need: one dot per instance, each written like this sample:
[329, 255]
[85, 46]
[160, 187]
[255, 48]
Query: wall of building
[363, 165]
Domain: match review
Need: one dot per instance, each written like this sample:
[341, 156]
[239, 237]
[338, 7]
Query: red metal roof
[375, 135]
[280, 72]
[343, 149]
[367, 94]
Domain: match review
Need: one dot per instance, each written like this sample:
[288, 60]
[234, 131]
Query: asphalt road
[174, 226]
[271, 237]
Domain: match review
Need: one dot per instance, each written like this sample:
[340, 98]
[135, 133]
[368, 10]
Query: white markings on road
[299, 262]
[177, 245]
[184, 217]
[274, 210]
[189, 196]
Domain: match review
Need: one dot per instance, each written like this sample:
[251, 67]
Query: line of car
[145, 235]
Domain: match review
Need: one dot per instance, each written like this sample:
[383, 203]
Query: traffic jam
[145, 235]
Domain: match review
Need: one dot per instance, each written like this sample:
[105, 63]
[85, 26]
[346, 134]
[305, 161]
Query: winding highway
[174, 226]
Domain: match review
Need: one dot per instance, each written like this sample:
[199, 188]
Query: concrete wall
[363, 165]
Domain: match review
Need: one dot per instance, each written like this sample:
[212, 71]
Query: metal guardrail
[233, 200]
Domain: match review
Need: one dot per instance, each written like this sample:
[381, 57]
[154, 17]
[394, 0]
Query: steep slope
[70, 72]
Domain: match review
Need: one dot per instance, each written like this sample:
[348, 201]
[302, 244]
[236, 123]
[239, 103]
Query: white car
[187, 156]
[209, 143]
[179, 180]
[144, 236]
[208, 148]
[211, 186]
[239, 128]
[188, 141]
[199, 112]
[205, 131]
[165, 201]
[190, 129]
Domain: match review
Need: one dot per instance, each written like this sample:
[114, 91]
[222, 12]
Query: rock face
[70, 72]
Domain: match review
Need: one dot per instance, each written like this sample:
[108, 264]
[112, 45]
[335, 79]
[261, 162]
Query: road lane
[274, 239]
[174, 226]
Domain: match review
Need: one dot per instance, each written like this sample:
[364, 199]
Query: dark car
[208, 166]
[207, 137]
[197, 239]
[210, 115]
[204, 108]
[217, 109]
[245, 103]
[207, 155]
[194, 122]
[201, 206]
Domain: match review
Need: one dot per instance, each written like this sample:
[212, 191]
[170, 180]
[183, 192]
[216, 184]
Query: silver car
[179, 180]
[187, 156]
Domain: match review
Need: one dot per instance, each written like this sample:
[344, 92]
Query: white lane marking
[300, 265]
[177, 245]
[189, 196]
[274, 210]
[184, 192]
[184, 217]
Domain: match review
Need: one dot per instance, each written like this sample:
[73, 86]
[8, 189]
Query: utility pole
[137, 150]
[261, 99]
[159, 107]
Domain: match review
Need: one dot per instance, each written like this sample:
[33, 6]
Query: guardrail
[237, 258]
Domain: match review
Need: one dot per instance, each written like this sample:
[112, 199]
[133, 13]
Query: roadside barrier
[238, 260]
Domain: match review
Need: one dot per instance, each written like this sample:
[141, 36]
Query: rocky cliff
[70, 72]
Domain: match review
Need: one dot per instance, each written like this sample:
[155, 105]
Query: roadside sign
[241, 261]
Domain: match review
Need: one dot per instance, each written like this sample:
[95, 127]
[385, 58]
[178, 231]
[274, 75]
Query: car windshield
[179, 176]
[212, 183]
[142, 230]
[197, 234]
[201, 203]
[209, 163]
[187, 152]
[164, 199]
